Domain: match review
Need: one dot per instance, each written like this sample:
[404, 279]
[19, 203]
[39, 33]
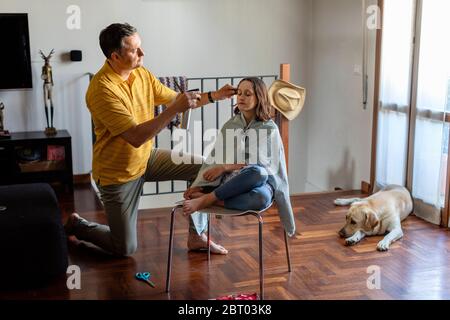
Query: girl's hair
[263, 106]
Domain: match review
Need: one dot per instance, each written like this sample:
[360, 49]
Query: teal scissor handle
[145, 276]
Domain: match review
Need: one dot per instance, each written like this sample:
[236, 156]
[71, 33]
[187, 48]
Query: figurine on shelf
[2, 106]
[48, 89]
[3, 133]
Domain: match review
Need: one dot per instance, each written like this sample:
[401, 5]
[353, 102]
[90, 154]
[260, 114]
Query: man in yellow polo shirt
[121, 98]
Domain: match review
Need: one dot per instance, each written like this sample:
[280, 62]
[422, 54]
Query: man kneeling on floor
[121, 98]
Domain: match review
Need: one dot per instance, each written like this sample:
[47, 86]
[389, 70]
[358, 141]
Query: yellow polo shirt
[116, 106]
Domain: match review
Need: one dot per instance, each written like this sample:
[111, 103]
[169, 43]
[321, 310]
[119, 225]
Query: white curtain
[396, 61]
[392, 148]
[431, 134]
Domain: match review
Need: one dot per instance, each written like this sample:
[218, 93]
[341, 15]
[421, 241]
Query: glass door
[414, 104]
[428, 153]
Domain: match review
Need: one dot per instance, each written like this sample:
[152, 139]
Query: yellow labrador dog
[378, 214]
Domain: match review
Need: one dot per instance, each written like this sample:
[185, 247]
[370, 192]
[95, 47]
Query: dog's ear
[371, 219]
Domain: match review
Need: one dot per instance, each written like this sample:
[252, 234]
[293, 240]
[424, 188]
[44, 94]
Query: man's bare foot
[72, 222]
[200, 243]
[190, 206]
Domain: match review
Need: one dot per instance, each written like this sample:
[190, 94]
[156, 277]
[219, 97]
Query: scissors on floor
[145, 276]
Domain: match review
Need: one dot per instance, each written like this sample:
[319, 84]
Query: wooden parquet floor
[416, 267]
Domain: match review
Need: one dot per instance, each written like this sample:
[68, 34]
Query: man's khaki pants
[121, 204]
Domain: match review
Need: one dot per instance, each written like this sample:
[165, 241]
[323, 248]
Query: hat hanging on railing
[287, 98]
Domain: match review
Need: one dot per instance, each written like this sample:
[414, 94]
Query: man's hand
[185, 101]
[213, 173]
[226, 92]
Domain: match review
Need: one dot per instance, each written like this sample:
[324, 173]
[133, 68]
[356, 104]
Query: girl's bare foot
[196, 195]
[220, 203]
[188, 193]
[190, 206]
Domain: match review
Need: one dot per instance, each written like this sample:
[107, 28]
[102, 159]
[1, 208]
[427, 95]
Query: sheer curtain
[395, 84]
[431, 131]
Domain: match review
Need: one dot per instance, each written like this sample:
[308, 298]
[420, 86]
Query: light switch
[357, 70]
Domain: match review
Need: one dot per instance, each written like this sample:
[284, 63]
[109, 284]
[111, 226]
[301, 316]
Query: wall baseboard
[337, 193]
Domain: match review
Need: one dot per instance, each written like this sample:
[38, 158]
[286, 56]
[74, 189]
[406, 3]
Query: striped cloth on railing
[170, 83]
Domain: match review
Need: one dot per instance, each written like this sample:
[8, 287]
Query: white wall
[339, 130]
[189, 37]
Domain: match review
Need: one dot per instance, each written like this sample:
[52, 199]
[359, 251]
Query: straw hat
[287, 98]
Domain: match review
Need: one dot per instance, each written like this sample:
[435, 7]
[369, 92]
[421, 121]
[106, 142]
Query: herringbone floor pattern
[416, 267]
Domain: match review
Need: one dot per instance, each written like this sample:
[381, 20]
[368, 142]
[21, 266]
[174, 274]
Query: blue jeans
[248, 190]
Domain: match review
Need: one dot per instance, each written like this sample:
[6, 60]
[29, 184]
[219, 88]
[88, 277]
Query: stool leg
[261, 261]
[287, 251]
[169, 259]
[209, 235]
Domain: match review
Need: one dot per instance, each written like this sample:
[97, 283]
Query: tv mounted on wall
[15, 62]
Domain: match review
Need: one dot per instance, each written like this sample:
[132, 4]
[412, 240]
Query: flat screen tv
[15, 62]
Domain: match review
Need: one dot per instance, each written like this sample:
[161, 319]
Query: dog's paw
[383, 246]
[350, 242]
